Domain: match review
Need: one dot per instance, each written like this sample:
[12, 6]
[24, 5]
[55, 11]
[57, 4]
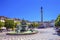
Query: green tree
[1, 24]
[35, 24]
[15, 24]
[57, 21]
[9, 24]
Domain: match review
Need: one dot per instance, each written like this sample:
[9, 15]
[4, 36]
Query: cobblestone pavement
[43, 34]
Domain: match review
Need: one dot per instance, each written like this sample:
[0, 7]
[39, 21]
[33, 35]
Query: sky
[30, 9]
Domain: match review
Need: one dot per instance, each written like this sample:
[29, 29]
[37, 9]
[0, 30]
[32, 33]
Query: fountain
[22, 29]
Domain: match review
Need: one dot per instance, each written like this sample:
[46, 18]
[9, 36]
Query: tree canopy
[1, 24]
[57, 21]
[9, 23]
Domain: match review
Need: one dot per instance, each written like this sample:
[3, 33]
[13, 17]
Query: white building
[2, 18]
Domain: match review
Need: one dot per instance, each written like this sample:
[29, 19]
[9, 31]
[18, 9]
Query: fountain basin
[22, 33]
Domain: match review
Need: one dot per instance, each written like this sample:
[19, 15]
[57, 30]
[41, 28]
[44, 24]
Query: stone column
[41, 15]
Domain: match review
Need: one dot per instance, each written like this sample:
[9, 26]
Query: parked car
[41, 26]
[3, 29]
[57, 29]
